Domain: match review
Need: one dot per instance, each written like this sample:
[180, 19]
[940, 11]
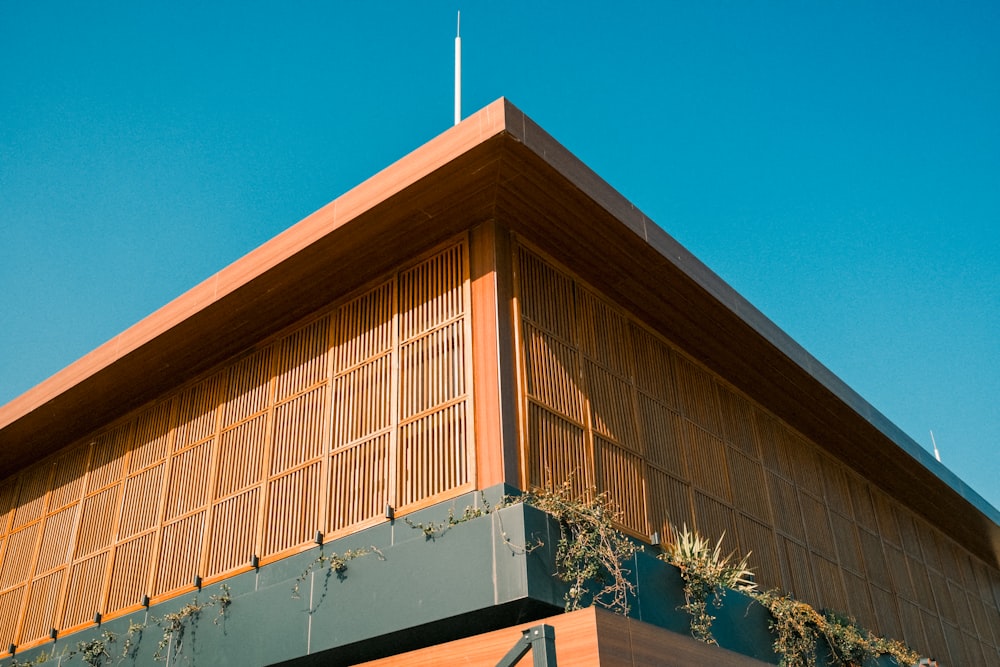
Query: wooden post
[493, 356]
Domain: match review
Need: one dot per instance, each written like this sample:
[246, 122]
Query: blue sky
[838, 163]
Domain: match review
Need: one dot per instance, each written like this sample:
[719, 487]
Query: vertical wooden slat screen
[18, 554]
[232, 517]
[749, 485]
[362, 406]
[622, 477]
[669, 502]
[10, 608]
[607, 403]
[32, 497]
[180, 550]
[662, 436]
[612, 410]
[42, 598]
[858, 599]
[86, 582]
[846, 540]
[141, 512]
[707, 458]
[557, 451]
[553, 376]
[293, 468]
[11, 600]
[130, 578]
[434, 448]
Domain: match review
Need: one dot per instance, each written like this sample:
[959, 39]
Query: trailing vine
[590, 548]
[175, 624]
[797, 626]
[94, 652]
[98, 651]
[433, 530]
[334, 563]
[706, 574]
[794, 625]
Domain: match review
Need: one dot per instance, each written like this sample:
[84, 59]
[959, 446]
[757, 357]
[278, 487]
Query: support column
[493, 368]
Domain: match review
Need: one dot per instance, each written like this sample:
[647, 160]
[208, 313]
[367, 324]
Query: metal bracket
[540, 640]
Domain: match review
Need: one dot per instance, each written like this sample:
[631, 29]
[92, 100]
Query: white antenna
[937, 454]
[458, 70]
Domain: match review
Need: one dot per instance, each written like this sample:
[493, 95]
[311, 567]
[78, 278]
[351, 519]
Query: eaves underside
[496, 165]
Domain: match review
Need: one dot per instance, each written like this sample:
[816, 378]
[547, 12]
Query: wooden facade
[610, 404]
[362, 407]
[473, 344]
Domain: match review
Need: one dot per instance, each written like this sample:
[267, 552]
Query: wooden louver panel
[10, 607]
[130, 576]
[303, 359]
[552, 374]
[54, 550]
[429, 374]
[43, 596]
[293, 508]
[248, 387]
[298, 431]
[233, 533]
[179, 553]
[362, 401]
[97, 522]
[557, 451]
[16, 565]
[622, 477]
[8, 500]
[360, 490]
[32, 496]
[141, 504]
[612, 413]
[189, 488]
[544, 294]
[67, 481]
[86, 583]
[241, 454]
[107, 459]
[152, 436]
[431, 293]
[433, 455]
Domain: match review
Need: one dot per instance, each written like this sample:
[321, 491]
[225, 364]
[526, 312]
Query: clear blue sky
[838, 163]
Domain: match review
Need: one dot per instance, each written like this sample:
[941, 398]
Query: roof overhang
[495, 165]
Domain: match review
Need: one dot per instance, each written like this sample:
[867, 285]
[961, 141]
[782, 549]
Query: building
[484, 315]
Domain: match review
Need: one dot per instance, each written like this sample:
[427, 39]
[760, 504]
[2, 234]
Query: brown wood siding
[309, 431]
[585, 638]
[609, 403]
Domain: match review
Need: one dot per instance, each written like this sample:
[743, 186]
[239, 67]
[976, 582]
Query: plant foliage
[706, 574]
[797, 626]
[591, 549]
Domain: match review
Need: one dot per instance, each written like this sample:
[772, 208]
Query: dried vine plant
[591, 549]
[797, 626]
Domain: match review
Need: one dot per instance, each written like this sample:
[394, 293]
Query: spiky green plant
[706, 574]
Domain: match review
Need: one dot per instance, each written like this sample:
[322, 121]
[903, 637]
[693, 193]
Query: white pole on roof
[937, 454]
[458, 70]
